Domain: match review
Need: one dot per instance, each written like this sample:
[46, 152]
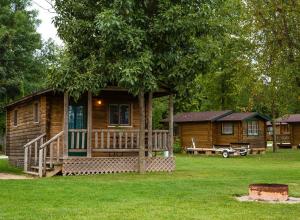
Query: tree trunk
[66, 123]
[274, 135]
[89, 124]
[150, 103]
[142, 132]
[171, 124]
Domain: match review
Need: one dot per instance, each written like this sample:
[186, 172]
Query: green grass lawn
[201, 188]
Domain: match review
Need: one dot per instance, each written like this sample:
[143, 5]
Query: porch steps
[54, 171]
[57, 168]
[31, 173]
[37, 168]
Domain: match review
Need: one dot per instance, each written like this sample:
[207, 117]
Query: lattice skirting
[158, 164]
[102, 165]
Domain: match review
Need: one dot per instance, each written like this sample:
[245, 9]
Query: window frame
[257, 128]
[232, 127]
[36, 112]
[119, 115]
[15, 118]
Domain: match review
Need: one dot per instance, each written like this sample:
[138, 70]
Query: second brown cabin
[221, 128]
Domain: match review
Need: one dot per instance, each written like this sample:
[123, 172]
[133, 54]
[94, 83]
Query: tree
[232, 50]
[275, 34]
[20, 66]
[24, 59]
[135, 44]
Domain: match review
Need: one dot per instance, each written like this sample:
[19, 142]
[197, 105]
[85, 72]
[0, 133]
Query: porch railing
[31, 152]
[77, 140]
[115, 140]
[54, 149]
[283, 138]
[37, 151]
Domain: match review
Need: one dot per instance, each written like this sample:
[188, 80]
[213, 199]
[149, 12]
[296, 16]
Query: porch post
[89, 124]
[66, 124]
[150, 110]
[171, 124]
[142, 132]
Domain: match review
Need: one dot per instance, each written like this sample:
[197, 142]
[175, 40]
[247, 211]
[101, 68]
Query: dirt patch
[7, 176]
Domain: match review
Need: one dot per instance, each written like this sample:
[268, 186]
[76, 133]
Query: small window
[36, 112]
[252, 128]
[15, 117]
[270, 130]
[227, 128]
[119, 114]
[285, 128]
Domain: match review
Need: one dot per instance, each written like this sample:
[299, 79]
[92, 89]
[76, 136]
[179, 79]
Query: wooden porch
[109, 150]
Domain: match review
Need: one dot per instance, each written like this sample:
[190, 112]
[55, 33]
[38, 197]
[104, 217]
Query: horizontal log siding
[295, 133]
[201, 132]
[256, 141]
[224, 139]
[56, 118]
[27, 129]
[101, 116]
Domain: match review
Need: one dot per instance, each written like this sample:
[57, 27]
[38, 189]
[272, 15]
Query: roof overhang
[158, 93]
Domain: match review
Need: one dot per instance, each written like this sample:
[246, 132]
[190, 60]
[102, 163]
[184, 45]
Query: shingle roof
[200, 116]
[241, 116]
[289, 118]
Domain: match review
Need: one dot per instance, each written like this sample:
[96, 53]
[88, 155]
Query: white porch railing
[31, 152]
[116, 140]
[37, 151]
[77, 140]
[54, 153]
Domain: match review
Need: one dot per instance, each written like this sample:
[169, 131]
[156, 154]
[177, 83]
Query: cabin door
[77, 128]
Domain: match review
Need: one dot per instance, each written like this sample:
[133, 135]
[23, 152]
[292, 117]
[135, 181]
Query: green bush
[177, 146]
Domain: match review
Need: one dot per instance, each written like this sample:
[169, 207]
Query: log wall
[101, 115]
[26, 129]
[295, 134]
[226, 139]
[200, 132]
[259, 141]
[207, 134]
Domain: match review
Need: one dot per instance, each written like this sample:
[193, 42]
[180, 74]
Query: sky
[46, 28]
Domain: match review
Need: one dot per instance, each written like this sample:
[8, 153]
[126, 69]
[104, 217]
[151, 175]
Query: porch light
[99, 102]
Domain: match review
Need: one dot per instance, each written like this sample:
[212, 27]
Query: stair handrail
[52, 139]
[27, 149]
[43, 152]
[34, 140]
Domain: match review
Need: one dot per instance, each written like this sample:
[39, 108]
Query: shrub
[177, 146]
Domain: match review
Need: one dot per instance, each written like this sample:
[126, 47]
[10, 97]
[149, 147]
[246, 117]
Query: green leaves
[137, 44]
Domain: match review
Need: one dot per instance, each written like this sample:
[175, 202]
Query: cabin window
[284, 128]
[119, 114]
[15, 117]
[270, 130]
[252, 128]
[36, 112]
[227, 128]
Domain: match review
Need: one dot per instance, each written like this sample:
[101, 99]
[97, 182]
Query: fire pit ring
[269, 192]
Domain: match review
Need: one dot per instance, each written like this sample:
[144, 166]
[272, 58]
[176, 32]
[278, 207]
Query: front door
[77, 128]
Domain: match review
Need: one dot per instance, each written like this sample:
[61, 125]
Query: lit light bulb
[99, 102]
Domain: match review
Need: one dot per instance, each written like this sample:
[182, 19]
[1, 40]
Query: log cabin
[288, 131]
[222, 128]
[49, 132]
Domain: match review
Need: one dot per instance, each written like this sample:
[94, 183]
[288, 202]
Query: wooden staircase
[48, 170]
[43, 158]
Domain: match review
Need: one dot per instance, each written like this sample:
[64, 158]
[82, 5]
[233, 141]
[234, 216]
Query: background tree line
[224, 54]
